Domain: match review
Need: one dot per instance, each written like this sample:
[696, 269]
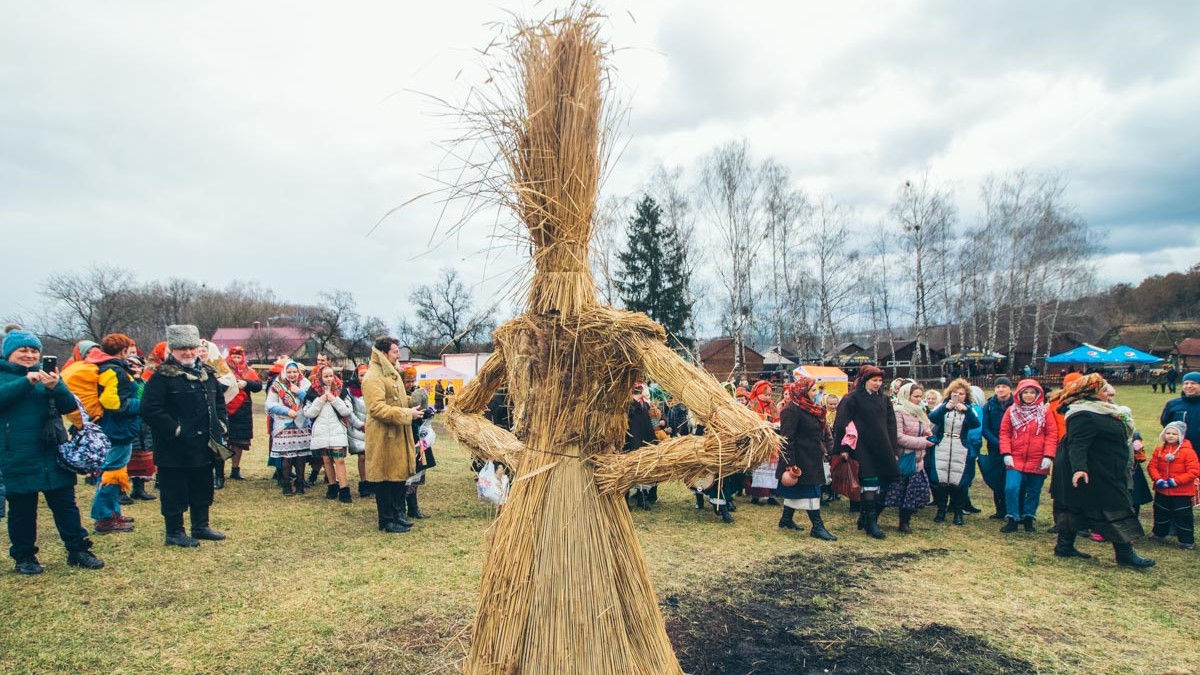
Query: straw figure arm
[734, 440]
[465, 420]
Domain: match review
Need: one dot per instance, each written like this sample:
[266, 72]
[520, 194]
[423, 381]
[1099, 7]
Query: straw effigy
[565, 588]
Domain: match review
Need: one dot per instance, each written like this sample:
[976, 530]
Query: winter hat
[868, 372]
[183, 336]
[1193, 376]
[1002, 380]
[15, 339]
[1179, 427]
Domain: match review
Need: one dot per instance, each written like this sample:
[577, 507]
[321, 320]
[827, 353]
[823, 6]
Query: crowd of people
[175, 415]
[909, 448]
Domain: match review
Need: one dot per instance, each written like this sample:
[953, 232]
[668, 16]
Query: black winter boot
[1127, 557]
[331, 492]
[286, 486]
[364, 489]
[344, 495]
[124, 499]
[139, 490]
[300, 484]
[1010, 525]
[236, 473]
[1065, 547]
[723, 511]
[870, 525]
[200, 528]
[84, 558]
[414, 509]
[176, 536]
[941, 514]
[787, 520]
[219, 474]
[1028, 522]
[905, 521]
[818, 527]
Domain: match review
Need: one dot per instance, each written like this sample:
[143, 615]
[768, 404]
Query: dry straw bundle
[565, 588]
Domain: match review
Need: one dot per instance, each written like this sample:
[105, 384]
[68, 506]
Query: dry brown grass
[306, 585]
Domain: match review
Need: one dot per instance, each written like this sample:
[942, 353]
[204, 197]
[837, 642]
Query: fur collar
[173, 370]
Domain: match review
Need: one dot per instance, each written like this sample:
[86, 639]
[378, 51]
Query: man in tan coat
[391, 457]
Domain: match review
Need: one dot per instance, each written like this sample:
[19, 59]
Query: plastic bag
[489, 486]
[845, 478]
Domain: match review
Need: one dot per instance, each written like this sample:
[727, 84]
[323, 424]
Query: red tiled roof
[1189, 347]
[289, 338]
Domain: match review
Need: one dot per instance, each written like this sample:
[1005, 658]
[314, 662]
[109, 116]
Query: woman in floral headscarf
[1090, 483]
[802, 425]
[913, 434]
[285, 401]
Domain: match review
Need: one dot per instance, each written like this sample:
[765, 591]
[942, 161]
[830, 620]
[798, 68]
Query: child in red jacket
[1174, 469]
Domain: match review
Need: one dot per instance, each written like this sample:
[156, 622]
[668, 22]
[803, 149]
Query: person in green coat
[29, 400]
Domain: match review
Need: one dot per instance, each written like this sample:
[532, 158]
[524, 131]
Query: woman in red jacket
[1028, 443]
[1174, 469]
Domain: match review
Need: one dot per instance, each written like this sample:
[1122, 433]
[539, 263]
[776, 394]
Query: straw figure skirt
[565, 588]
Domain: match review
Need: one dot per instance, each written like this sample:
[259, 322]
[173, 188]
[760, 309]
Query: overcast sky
[263, 140]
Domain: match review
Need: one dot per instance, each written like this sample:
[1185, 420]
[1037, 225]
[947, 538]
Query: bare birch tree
[729, 191]
[925, 213]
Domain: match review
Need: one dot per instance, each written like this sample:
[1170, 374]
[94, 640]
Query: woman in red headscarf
[802, 425]
[241, 409]
[763, 480]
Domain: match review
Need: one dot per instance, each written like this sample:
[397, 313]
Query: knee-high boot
[869, 513]
[818, 527]
[788, 520]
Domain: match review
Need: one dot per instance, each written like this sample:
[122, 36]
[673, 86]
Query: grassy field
[309, 585]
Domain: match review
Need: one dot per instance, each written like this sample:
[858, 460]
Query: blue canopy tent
[1084, 354]
[1128, 354]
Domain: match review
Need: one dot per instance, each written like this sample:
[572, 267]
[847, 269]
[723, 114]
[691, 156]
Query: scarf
[318, 386]
[804, 400]
[915, 409]
[1022, 415]
[1078, 389]
[1120, 412]
[280, 387]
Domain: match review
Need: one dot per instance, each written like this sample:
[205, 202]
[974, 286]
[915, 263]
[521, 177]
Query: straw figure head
[555, 154]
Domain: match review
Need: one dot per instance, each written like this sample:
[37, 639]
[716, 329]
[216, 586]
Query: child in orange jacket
[1174, 469]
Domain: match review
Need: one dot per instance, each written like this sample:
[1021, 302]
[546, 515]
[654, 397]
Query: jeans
[1022, 493]
[105, 504]
[22, 521]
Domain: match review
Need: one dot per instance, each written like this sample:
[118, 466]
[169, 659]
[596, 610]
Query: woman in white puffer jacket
[330, 417]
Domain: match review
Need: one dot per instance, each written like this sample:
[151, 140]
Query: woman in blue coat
[30, 402]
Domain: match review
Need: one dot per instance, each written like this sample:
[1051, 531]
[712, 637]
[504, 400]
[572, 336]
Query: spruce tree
[653, 277]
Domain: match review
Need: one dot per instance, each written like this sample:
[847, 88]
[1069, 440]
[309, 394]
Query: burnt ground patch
[787, 618]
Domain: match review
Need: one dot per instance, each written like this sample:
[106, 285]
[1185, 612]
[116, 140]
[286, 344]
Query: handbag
[908, 463]
[220, 451]
[85, 452]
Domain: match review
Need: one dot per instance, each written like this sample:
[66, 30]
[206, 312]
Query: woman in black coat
[185, 406]
[875, 446]
[1092, 472]
[802, 425]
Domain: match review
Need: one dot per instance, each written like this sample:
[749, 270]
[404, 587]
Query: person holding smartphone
[31, 401]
